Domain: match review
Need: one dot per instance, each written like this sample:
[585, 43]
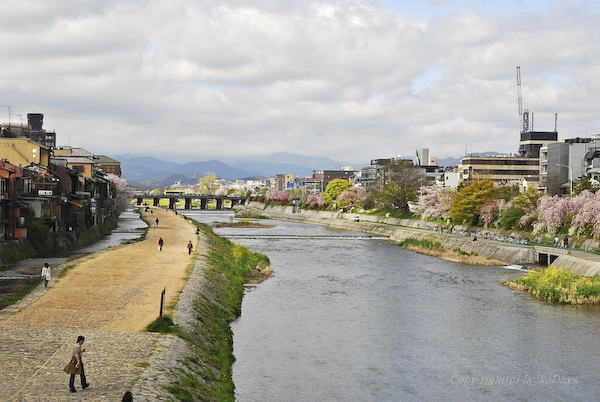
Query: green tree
[509, 192]
[469, 199]
[208, 184]
[509, 218]
[583, 183]
[527, 201]
[335, 188]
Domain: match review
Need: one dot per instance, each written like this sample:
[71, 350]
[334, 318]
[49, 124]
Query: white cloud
[339, 78]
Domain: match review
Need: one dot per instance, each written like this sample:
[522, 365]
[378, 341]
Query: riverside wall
[398, 230]
[511, 254]
[578, 265]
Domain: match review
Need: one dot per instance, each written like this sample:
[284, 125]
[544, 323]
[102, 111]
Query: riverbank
[456, 248]
[197, 364]
[435, 249]
[460, 249]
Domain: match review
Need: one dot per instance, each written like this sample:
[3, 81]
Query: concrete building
[554, 167]
[532, 141]
[500, 169]
[33, 130]
[370, 176]
[84, 161]
[284, 181]
[23, 151]
[563, 162]
[107, 165]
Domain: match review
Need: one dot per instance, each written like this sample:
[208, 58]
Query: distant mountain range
[151, 172]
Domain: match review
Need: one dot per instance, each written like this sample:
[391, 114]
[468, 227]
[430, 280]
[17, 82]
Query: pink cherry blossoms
[434, 202]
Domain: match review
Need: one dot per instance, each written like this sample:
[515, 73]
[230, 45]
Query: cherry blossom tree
[314, 199]
[124, 192]
[434, 202]
[276, 195]
[351, 198]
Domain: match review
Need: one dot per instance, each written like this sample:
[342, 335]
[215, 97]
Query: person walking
[46, 274]
[161, 243]
[75, 366]
[190, 247]
[156, 222]
[566, 242]
[556, 242]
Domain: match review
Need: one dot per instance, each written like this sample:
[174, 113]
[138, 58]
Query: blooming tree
[314, 199]
[434, 202]
[351, 198]
[276, 195]
[124, 192]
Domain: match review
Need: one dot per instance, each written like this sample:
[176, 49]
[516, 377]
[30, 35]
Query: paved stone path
[109, 298]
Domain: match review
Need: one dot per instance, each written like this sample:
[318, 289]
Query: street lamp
[570, 178]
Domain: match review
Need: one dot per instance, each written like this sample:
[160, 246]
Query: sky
[350, 79]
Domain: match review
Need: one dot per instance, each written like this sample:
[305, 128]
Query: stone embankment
[401, 229]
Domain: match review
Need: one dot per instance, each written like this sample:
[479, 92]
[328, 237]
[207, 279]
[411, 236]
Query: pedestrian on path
[46, 274]
[190, 247]
[566, 242]
[161, 243]
[75, 366]
[156, 222]
[556, 242]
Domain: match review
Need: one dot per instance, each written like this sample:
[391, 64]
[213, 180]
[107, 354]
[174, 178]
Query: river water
[365, 320]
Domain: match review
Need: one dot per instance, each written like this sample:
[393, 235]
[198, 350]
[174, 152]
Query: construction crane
[524, 114]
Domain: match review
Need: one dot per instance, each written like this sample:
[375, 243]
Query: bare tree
[399, 184]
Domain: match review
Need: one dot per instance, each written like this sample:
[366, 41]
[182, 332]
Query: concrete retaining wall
[507, 253]
[578, 265]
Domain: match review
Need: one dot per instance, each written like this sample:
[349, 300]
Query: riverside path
[109, 297]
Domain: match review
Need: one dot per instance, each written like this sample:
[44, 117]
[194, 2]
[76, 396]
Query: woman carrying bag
[75, 366]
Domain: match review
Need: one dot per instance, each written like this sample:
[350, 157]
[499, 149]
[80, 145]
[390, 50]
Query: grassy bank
[207, 375]
[244, 223]
[556, 285]
[435, 248]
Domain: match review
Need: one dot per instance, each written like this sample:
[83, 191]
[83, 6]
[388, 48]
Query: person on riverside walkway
[161, 243]
[156, 222]
[190, 247]
[75, 366]
[566, 242]
[556, 242]
[46, 274]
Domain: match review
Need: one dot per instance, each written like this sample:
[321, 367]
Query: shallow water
[365, 320]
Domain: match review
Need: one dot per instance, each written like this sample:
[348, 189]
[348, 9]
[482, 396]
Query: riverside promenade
[108, 297]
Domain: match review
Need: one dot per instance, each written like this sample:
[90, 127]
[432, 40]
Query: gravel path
[109, 298]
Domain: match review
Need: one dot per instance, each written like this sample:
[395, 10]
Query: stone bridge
[204, 199]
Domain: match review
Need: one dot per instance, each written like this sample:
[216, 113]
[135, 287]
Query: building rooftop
[104, 159]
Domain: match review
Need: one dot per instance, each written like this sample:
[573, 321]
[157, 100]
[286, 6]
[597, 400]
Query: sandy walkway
[118, 289]
[109, 298]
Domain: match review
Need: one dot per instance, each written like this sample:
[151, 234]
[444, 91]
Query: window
[78, 168]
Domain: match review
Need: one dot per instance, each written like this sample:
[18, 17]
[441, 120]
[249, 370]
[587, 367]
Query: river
[365, 320]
